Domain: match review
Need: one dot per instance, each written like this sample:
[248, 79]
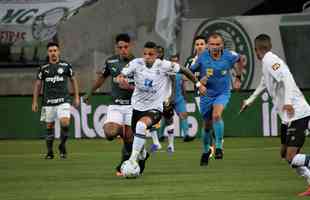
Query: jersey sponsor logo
[55, 101]
[236, 39]
[148, 83]
[60, 70]
[54, 79]
[276, 66]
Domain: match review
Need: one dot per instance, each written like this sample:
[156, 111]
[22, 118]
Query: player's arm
[75, 89]
[127, 71]
[260, 88]
[36, 91]
[193, 78]
[101, 76]
[239, 60]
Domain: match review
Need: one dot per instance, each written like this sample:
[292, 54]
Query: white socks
[138, 141]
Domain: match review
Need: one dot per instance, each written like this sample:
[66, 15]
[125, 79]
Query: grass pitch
[251, 170]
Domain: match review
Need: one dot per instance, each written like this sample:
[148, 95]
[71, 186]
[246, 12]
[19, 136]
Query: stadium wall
[18, 122]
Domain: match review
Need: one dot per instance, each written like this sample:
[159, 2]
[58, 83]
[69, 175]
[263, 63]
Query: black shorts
[296, 132]
[155, 115]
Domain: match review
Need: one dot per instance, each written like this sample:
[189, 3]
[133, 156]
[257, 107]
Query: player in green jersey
[54, 78]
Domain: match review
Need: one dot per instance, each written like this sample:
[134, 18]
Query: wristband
[198, 84]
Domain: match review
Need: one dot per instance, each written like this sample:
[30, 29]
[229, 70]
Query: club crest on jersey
[209, 72]
[60, 71]
[236, 39]
[224, 72]
[276, 66]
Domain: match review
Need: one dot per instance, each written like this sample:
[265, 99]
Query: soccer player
[56, 98]
[119, 113]
[200, 44]
[151, 76]
[214, 68]
[290, 104]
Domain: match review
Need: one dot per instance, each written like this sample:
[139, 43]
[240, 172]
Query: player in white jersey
[151, 77]
[290, 104]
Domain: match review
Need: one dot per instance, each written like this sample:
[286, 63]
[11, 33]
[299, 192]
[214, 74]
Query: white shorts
[51, 113]
[120, 114]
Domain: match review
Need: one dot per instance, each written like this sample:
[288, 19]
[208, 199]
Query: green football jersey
[113, 66]
[55, 83]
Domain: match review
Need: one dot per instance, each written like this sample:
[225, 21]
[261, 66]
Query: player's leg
[206, 143]
[170, 131]
[206, 112]
[218, 126]
[141, 121]
[63, 114]
[296, 134]
[283, 147]
[180, 109]
[156, 144]
[219, 104]
[161, 131]
[118, 124]
[50, 140]
[48, 115]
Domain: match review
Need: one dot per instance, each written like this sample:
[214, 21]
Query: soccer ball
[130, 169]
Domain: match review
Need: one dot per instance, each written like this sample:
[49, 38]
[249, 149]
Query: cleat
[49, 156]
[154, 148]
[306, 193]
[188, 138]
[204, 161]
[218, 154]
[170, 149]
[62, 151]
[142, 163]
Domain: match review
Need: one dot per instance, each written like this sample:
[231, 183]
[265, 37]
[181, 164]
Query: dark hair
[175, 56]
[150, 45]
[52, 44]
[122, 37]
[214, 35]
[263, 42]
[200, 37]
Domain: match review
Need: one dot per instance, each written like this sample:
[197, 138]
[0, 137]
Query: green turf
[251, 170]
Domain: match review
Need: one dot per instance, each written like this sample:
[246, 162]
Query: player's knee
[111, 131]
[216, 117]
[65, 122]
[141, 128]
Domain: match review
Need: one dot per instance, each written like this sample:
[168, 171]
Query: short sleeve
[104, 70]
[40, 74]
[276, 68]
[130, 68]
[233, 57]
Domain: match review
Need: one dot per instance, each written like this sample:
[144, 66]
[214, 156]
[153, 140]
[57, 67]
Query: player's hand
[35, 107]
[237, 84]
[288, 108]
[244, 106]
[202, 90]
[76, 101]
[124, 84]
